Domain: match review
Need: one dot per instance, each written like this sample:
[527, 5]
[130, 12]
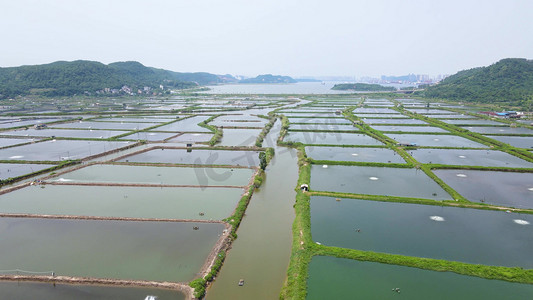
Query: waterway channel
[260, 255]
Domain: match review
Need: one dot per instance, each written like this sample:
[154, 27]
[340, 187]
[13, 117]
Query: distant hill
[89, 77]
[269, 78]
[362, 87]
[508, 81]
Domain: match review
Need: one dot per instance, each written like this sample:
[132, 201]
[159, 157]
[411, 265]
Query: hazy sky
[334, 37]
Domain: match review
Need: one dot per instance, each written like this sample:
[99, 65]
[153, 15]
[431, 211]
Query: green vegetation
[509, 81]
[269, 78]
[93, 78]
[262, 160]
[362, 87]
[216, 130]
[265, 131]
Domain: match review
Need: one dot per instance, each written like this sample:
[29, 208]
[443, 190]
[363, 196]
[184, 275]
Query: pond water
[338, 278]
[408, 128]
[323, 126]
[192, 138]
[331, 138]
[197, 157]
[428, 111]
[500, 188]
[49, 291]
[127, 202]
[435, 140]
[453, 116]
[139, 119]
[5, 142]
[472, 122]
[149, 136]
[373, 110]
[189, 124]
[486, 158]
[380, 155]
[331, 121]
[58, 150]
[390, 116]
[163, 251]
[22, 122]
[239, 137]
[400, 182]
[68, 133]
[515, 141]
[105, 125]
[500, 130]
[16, 170]
[231, 123]
[311, 114]
[207, 176]
[394, 121]
[450, 233]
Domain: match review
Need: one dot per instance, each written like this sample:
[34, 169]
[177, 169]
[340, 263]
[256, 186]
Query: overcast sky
[333, 37]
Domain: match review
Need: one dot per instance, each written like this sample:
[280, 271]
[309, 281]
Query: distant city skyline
[295, 38]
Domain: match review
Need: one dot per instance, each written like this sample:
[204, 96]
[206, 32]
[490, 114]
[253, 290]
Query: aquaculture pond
[500, 188]
[473, 122]
[486, 158]
[58, 150]
[139, 119]
[408, 128]
[428, 111]
[138, 250]
[12, 170]
[323, 126]
[525, 142]
[401, 182]
[451, 116]
[191, 138]
[331, 138]
[432, 140]
[55, 291]
[19, 123]
[394, 121]
[369, 110]
[379, 155]
[500, 130]
[124, 174]
[311, 114]
[150, 136]
[450, 233]
[388, 116]
[331, 121]
[6, 142]
[197, 157]
[128, 202]
[105, 125]
[239, 137]
[236, 123]
[189, 124]
[68, 133]
[339, 278]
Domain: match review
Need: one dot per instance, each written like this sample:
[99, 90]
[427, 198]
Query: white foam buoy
[16, 156]
[462, 156]
[325, 166]
[436, 140]
[373, 178]
[530, 189]
[437, 218]
[521, 222]
[354, 154]
[461, 175]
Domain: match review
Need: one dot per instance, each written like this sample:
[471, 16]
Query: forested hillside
[509, 81]
[89, 77]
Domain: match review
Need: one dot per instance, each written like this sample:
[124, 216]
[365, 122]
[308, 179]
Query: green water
[49, 291]
[337, 278]
[239, 137]
[162, 251]
[197, 157]
[159, 175]
[459, 234]
[130, 202]
[401, 182]
[260, 255]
